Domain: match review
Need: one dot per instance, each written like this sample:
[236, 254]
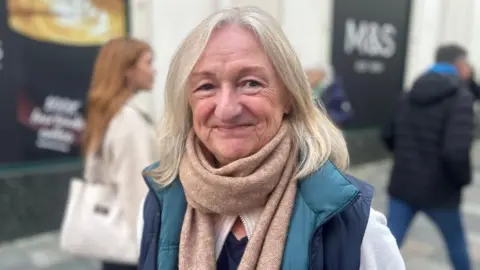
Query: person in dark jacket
[430, 137]
[251, 175]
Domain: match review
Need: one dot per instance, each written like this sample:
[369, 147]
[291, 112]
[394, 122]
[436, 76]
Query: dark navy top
[232, 253]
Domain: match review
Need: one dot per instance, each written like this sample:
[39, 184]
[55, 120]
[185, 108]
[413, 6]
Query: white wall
[475, 39]
[274, 7]
[308, 25]
[423, 37]
[141, 22]
[457, 18]
[438, 22]
[141, 19]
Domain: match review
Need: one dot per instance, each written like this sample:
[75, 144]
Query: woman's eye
[207, 86]
[251, 83]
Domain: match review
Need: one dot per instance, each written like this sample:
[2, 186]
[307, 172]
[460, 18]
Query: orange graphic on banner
[69, 22]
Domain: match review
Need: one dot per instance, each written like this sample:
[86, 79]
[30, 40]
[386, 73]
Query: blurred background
[47, 49]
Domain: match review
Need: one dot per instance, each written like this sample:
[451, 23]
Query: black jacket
[430, 137]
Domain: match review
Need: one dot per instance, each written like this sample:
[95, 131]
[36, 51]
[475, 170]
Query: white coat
[128, 147]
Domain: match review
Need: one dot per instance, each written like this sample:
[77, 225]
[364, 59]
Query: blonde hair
[108, 90]
[317, 136]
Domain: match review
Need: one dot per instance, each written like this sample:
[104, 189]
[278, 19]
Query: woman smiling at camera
[251, 173]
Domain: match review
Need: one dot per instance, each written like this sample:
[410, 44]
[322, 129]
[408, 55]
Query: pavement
[423, 249]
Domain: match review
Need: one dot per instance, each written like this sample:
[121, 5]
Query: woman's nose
[227, 104]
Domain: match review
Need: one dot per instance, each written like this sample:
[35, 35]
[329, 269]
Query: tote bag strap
[93, 171]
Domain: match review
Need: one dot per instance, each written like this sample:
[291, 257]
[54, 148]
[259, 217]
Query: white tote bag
[93, 225]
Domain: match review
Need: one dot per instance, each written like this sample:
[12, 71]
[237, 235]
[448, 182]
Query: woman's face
[142, 74]
[236, 97]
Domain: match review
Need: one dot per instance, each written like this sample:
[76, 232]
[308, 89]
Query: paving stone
[13, 257]
[418, 248]
[76, 265]
[418, 263]
[424, 248]
[475, 252]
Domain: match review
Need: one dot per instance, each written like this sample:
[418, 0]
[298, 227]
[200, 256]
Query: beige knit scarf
[264, 179]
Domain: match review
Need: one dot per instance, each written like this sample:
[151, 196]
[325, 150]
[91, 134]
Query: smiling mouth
[233, 128]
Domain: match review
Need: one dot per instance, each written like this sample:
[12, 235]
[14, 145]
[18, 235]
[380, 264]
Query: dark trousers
[448, 221]
[112, 266]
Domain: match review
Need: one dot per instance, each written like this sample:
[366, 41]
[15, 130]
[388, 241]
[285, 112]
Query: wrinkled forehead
[232, 45]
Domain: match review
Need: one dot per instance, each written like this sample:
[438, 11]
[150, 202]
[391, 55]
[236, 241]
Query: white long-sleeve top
[379, 249]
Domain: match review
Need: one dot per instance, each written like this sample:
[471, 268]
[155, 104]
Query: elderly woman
[251, 173]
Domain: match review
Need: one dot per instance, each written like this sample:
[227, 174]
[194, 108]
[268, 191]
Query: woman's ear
[130, 75]
[288, 105]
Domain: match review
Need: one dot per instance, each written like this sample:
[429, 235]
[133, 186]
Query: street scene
[232, 104]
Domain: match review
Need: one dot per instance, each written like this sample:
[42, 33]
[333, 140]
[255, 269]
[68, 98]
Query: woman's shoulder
[340, 189]
[128, 122]
[126, 115]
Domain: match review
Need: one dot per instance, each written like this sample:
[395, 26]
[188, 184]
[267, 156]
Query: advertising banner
[9, 137]
[49, 48]
[369, 52]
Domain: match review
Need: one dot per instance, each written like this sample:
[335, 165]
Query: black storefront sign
[368, 53]
[9, 138]
[47, 51]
